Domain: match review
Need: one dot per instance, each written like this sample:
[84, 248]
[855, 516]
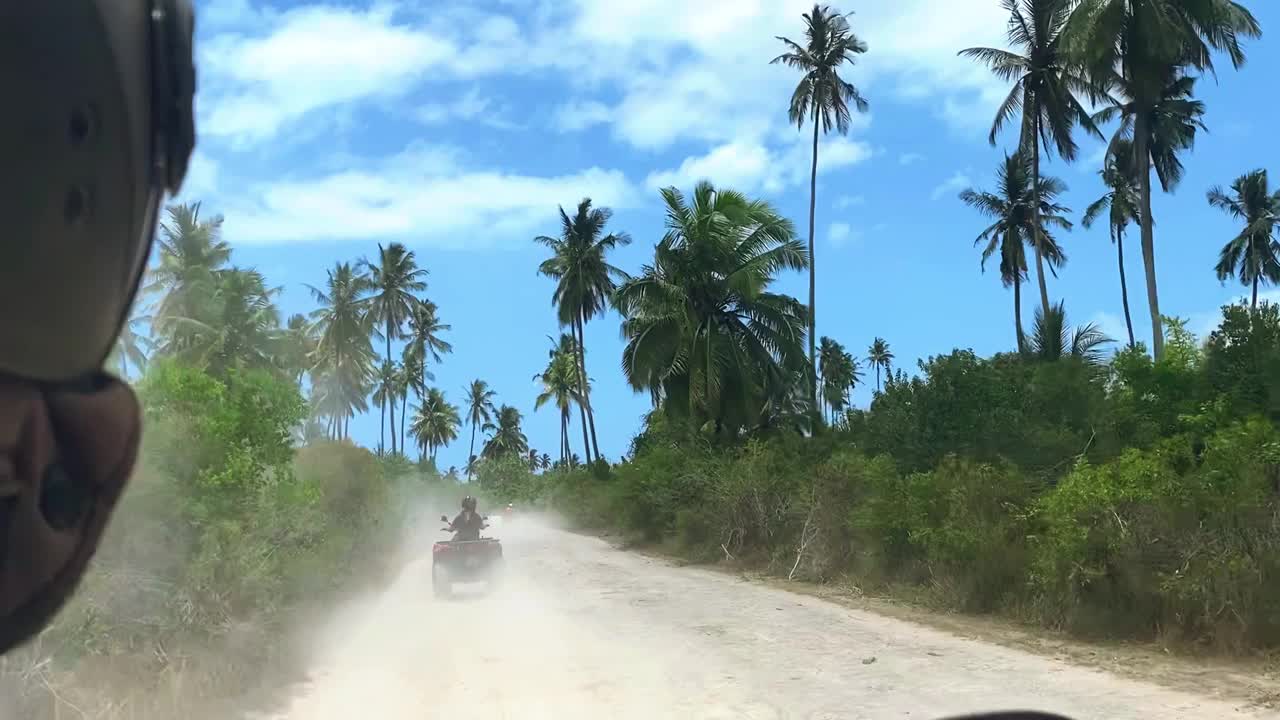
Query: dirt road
[581, 630]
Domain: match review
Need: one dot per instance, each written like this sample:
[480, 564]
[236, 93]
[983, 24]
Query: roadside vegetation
[1122, 487]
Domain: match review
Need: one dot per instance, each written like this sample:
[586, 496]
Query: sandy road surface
[581, 630]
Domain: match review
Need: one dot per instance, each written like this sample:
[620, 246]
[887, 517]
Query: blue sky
[457, 129]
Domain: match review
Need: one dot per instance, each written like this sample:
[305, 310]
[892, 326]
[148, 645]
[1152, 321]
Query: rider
[97, 126]
[468, 524]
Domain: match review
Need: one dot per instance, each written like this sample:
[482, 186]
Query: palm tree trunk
[1035, 216]
[1124, 285]
[1017, 310]
[404, 413]
[586, 441]
[391, 400]
[1253, 305]
[582, 379]
[1141, 143]
[877, 377]
[564, 437]
[813, 315]
[382, 429]
[472, 452]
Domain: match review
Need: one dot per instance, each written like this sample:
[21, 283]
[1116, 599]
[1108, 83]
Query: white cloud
[1206, 321]
[672, 76]
[1112, 325]
[423, 194]
[909, 158]
[202, 177]
[951, 185]
[750, 165]
[314, 58]
[576, 116]
[847, 201]
[470, 106]
[840, 234]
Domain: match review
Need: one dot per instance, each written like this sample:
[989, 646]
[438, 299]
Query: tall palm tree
[132, 347]
[424, 342]
[384, 389]
[1136, 43]
[880, 357]
[839, 375]
[584, 283]
[479, 412]
[238, 327]
[297, 345]
[825, 97]
[393, 281]
[560, 384]
[1052, 339]
[544, 462]
[829, 352]
[505, 435]
[1254, 254]
[1045, 83]
[435, 424]
[344, 359]
[1170, 121]
[1122, 207]
[704, 335]
[1011, 209]
[191, 254]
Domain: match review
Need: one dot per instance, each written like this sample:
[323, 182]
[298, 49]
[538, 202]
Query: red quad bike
[464, 561]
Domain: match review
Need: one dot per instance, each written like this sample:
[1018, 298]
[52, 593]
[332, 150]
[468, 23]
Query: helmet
[469, 503]
[98, 124]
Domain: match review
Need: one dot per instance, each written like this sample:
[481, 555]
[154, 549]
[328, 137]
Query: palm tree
[825, 96]
[829, 352]
[436, 423]
[191, 254]
[880, 357]
[584, 283]
[1045, 84]
[393, 280]
[545, 461]
[1052, 339]
[532, 459]
[560, 383]
[479, 412]
[1121, 205]
[839, 375]
[704, 335]
[1254, 254]
[423, 343]
[343, 360]
[1139, 44]
[131, 348]
[506, 437]
[1011, 209]
[298, 344]
[1171, 121]
[238, 326]
[384, 390]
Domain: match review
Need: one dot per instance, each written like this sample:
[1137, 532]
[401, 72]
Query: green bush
[1138, 499]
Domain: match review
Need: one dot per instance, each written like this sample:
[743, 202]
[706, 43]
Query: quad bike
[464, 561]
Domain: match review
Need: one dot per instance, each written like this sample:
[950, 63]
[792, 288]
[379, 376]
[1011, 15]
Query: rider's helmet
[97, 125]
[469, 503]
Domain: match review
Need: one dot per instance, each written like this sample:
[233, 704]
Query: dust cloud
[514, 650]
[581, 630]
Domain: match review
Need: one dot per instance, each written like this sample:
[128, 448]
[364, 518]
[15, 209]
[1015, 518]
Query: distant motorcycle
[464, 561]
